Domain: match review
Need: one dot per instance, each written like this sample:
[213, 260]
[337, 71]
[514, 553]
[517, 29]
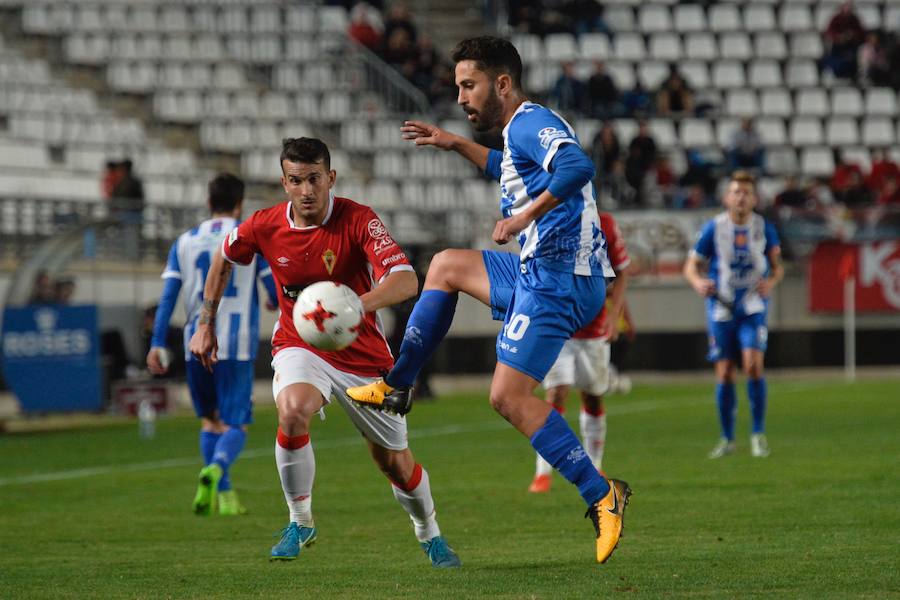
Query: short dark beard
[490, 115]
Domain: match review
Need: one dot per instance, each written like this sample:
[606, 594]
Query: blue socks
[557, 444]
[726, 399]
[208, 440]
[227, 449]
[428, 324]
[756, 391]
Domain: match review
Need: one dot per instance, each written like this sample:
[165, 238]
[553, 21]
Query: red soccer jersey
[351, 246]
[618, 258]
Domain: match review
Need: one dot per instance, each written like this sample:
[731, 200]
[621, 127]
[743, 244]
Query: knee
[753, 370]
[295, 412]
[443, 268]
[501, 401]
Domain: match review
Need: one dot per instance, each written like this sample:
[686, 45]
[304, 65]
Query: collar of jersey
[526, 104]
[287, 214]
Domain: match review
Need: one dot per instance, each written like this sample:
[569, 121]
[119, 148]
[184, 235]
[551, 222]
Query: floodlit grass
[819, 518]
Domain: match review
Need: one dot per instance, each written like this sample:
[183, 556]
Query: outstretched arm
[426, 134]
[204, 344]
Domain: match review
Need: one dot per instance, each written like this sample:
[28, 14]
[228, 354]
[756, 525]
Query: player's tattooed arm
[216, 280]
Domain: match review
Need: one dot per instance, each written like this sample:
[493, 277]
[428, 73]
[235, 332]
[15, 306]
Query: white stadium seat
[759, 17]
[742, 103]
[666, 46]
[724, 17]
[878, 131]
[593, 46]
[728, 74]
[776, 102]
[846, 101]
[770, 44]
[629, 46]
[841, 131]
[653, 18]
[696, 133]
[817, 162]
[735, 46]
[772, 131]
[765, 73]
[812, 102]
[701, 46]
[560, 47]
[806, 131]
[689, 18]
[795, 17]
[881, 101]
[781, 160]
[802, 73]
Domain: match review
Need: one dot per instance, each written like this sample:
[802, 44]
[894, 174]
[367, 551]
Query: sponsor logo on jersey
[283, 260]
[232, 237]
[329, 258]
[391, 259]
[379, 233]
[548, 134]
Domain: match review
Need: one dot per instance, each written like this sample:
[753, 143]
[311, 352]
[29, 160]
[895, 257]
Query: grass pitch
[101, 513]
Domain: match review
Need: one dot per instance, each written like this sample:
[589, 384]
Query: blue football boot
[293, 538]
[442, 556]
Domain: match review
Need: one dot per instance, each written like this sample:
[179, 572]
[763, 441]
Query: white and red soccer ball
[327, 315]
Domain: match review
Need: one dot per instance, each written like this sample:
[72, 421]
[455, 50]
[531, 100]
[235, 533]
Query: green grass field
[100, 513]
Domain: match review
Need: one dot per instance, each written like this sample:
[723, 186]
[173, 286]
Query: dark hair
[127, 165]
[492, 55]
[305, 150]
[226, 191]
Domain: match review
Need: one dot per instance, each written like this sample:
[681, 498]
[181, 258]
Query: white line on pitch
[492, 425]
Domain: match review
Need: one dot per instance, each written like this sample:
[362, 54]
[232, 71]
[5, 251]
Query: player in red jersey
[316, 236]
[583, 362]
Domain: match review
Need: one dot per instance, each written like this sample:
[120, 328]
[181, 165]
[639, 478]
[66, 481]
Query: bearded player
[316, 236]
[583, 363]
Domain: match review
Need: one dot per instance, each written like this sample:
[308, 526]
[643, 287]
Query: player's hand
[155, 361]
[705, 287]
[426, 134]
[507, 229]
[764, 287]
[205, 346]
[608, 330]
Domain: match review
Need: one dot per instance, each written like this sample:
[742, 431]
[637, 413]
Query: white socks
[415, 498]
[297, 469]
[593, 434]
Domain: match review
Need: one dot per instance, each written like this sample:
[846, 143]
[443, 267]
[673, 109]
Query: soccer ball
[327, 315]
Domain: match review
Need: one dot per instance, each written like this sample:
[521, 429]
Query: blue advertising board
[51, 357]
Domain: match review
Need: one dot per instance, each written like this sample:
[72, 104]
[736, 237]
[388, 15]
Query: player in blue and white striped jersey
[222, 399]
[734, 265]
[554, 286]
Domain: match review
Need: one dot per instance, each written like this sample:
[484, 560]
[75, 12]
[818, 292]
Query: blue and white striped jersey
[738, 259]
[569, 237]
[237, 322]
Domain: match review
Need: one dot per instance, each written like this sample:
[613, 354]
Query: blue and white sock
[558, 445]
[726, 399]
[227, 450]
[757, 392]
[428, 324]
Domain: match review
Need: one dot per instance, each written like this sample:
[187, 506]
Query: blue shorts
[227, 390]
[727, 339]
[540, 307]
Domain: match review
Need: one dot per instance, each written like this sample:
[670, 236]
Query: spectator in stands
[890, 191]
[675, 97]
[603, 93]
[586, 16]
[793, 196]
[644, 145]
[42, 291]
[426, 65]
[637, 102]
[569, 94]
[616, 185]
[844, 35]
[882, 168]
[873, 63]
[855, 194]
[605, 150]
[844, 172]
[665, 179]
[636, 174]
[127, 198]
[746, 150]
[399, 51]
[366, 26]
[399, 18]
[108, 179]
[127, 205]
[701, 171]
[525, 15]
[63, 290]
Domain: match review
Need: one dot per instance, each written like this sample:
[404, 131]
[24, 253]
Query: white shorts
[297, 365]
[582, 364]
